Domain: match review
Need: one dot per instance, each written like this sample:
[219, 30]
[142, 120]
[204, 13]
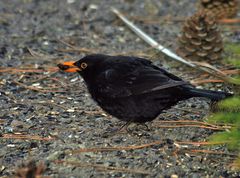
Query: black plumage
[133, 89]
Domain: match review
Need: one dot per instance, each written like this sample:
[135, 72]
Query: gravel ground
[40, 34]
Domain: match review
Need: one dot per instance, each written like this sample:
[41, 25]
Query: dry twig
[199, 126]
[132, 147]
[103, 168]
[25, 137]
[135, 147]
[196, 81]
[26, 70]
[210, 152]
[38, 89]
[182, 123]
[229, 21]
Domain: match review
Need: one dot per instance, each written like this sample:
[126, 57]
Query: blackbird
[133, 89]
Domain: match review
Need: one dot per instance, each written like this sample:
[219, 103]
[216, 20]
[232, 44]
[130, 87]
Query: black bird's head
[87, 66]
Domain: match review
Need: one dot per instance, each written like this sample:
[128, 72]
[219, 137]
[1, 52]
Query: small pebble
[174, 176]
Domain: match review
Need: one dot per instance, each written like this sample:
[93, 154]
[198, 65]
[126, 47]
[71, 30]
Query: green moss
[230, 113]
[225, 118]
[234, 61]
[232, 104]
[237, 163]
[233, 48]
[231, 138]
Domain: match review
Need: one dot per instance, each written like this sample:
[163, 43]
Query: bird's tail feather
[213, 95]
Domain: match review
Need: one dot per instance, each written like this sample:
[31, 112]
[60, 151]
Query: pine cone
[220, 8]
[201, 39]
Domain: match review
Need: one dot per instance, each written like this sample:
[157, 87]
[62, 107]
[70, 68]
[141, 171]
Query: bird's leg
[114, 131]
[141, 127]
[145, 125]
[125, 126]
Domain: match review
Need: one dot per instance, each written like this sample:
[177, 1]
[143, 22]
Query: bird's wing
[142, 80]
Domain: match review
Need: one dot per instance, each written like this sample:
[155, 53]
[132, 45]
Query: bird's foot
[139, 130]
[139, 127]
[115, 130]
[136, 129]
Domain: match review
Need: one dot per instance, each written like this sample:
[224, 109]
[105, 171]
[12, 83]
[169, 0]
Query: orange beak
[68, 67]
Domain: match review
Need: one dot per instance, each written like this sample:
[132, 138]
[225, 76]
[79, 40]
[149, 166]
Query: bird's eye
[83, 65]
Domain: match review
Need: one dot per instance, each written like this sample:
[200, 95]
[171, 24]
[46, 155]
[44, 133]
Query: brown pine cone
[201, 39]
[220, 8]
